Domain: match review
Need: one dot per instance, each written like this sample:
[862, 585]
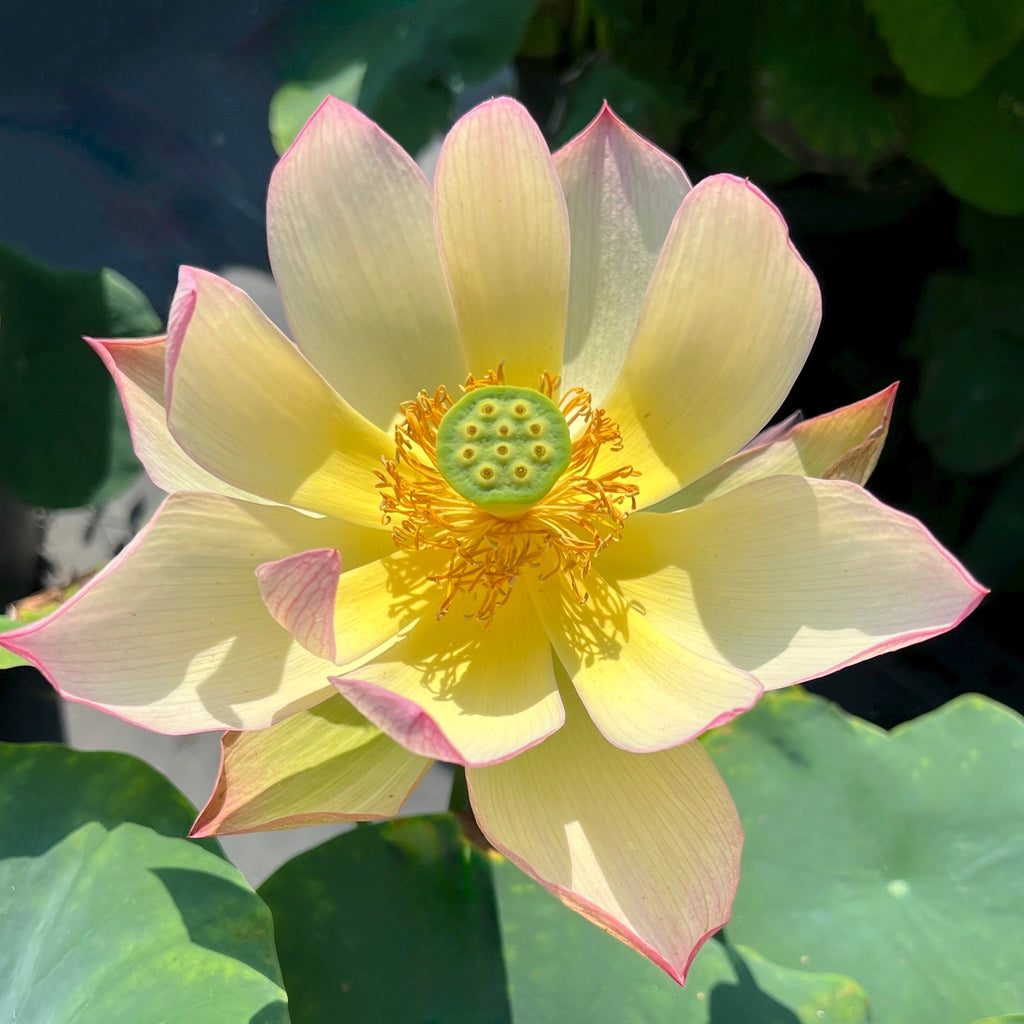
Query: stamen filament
[561, 533]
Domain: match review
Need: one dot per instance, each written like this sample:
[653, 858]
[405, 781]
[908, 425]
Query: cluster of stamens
[502, 488]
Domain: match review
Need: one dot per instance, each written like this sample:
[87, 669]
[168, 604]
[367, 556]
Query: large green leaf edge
[893, 858]
[107, 911]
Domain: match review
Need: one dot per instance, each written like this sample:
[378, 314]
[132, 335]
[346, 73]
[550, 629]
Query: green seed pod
[490, 451]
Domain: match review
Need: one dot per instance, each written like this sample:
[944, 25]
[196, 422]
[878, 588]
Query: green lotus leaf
[890, 857]
[125, 922]
[476, 940]
[390, 923]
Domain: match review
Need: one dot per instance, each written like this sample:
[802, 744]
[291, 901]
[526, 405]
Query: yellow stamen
[561, 533]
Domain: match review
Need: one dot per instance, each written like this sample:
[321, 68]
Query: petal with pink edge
[622, 194]
[173, 634]
[137, 366]
[245, 404]
[727, 323]
[645, 846]
[299, 593]
[503, 233]
[790, 578]
[321, 765]
[347, 617]
[840, 445]
[644, 690]
[350, 229]
[457, 691]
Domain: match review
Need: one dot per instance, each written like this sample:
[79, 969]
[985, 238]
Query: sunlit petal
[455, 691]
[504, 238]
[644, 690]
[350, 229]
[173, 634]
[727, 323]
[645, 845]
[622, 194]
[791, 578]
[347, 616]
[322, 765]
[840, 445]
[245, 404]
[137, 366]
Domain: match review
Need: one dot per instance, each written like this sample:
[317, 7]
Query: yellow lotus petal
[645, 845]
[173, 635]
[840, 445]
[347, 617]
[350, 230]
[321, 765]
[244, 403]
[622, 194]
[503, 233]
[791, 578]
[727, 323]
[456, 691]
[137, 366]
[644, 690]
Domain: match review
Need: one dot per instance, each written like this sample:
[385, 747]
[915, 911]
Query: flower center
[503, 448]
[498, 483]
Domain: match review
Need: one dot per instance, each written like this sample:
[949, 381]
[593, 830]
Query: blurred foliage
[402, 62]
[8, 659]
[946, 47]
[63, 436]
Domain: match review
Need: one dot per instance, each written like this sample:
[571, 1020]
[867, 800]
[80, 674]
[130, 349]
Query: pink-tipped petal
[460, 692]
[173, 634]
[351, 237]
[299, 593]
[790, 578]
[322, 765]
[245, 404]
[503, 233]
[840, 445]
[646, 846]
[137, 367]
[349, 617]
[643, 689]
[403, 720]
[622, 194]
[727, 323]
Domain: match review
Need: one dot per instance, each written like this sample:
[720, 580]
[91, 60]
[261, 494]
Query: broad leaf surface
[48, 791]
[561, 968]
[409, 921]
[892, 858]
[390, 923]
[108, 914]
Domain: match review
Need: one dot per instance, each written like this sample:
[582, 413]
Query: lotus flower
[498, 505]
